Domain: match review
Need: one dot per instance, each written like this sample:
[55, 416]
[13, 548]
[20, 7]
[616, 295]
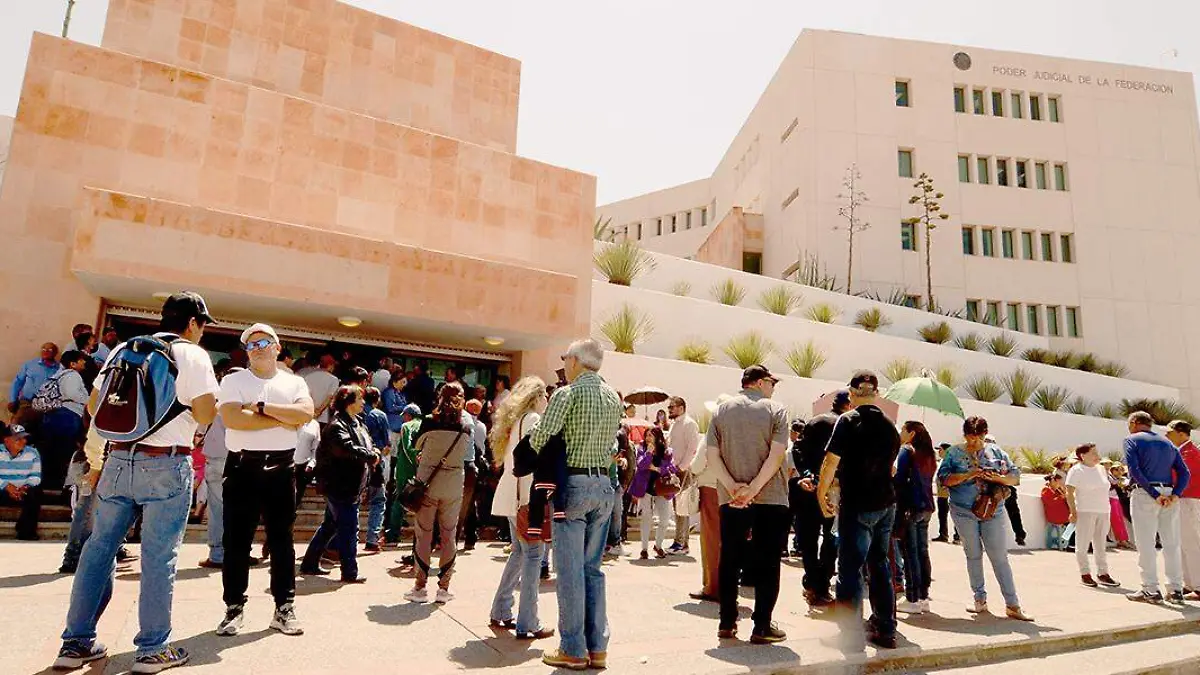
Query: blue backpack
[136, 396]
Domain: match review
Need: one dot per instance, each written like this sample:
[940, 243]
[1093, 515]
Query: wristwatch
[262, 407]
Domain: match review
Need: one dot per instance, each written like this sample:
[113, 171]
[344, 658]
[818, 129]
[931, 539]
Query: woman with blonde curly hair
[516, 417]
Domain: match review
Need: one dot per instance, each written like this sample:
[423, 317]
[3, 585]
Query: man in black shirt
[814, 531]
[861, 452]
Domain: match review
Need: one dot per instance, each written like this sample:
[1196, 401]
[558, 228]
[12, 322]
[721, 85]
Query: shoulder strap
[437, 467]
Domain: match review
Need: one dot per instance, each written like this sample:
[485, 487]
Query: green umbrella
[925, 392]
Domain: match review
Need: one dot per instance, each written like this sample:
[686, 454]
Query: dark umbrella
[646, 396]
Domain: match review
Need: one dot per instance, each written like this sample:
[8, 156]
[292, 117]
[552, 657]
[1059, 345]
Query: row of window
[1027, 318]
[1004, 103]
[1010, 172]
[676, 222]
[986, 244]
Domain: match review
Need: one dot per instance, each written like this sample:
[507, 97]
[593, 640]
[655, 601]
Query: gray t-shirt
[743, 430]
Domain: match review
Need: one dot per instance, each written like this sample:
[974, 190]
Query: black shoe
[545, 576]
[68, 568]
[1108, 581]
[820, 600]
[371, 548]
[1088, 580]
[769, 634]
[124, 556]
[316, 572]
[28, 536]
[354, 580]
[882, 641]
[1020, 541]
[941, 537]
[1174, 597]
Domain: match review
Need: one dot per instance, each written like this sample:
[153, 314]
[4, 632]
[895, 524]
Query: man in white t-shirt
[381, 378]
[262, 408]
[322, 385]
[134, 478]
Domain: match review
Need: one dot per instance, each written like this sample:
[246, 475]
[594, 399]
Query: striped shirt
[588, 413]
[21, 470]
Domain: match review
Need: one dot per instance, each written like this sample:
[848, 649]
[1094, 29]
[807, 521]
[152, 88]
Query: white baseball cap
[259, 328]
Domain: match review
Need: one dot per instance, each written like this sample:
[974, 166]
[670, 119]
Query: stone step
[1175, 655]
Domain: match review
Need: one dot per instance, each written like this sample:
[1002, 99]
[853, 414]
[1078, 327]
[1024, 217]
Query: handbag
[991, 496]
[412, 495]
[667, 486]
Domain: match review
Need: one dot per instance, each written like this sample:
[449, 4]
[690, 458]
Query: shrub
[780, 300]
[897, 296]
[1038, 355]
[970, 341]
[1078, 406]
[810, 271]
[938, 333]
[1035, 461]
[872, 319]
[1087, 362]
[1107, 411]
[984, 387]
[681, 288]
[728, 292]
[1002, 344]
[748, 349]
[623, 262]
[1051, 398]
[1112, 369]
[1020, 385]
[1162, 410]
[947, 374]
[1067, 359]
[695, 351]
[806, 359]
[823, 312]
[626, 328]
[899, 369]
[1115, 456]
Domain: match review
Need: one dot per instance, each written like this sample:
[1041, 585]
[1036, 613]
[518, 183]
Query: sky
[646, 94]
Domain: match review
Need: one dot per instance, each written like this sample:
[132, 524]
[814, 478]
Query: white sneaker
[618, 550]
[924, 606]
[909, 607]
[980, 607]
[443, 596]
[417, 595]
[232, 623]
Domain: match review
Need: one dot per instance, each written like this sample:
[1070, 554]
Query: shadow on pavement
[180, 575]
[708, 610]
[980, 624]
[494, 652]
[204, 648]
[400, 615]
[26, 580]
[315, 585]
[755, 656]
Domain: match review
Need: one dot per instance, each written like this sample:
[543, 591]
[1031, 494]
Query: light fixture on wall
[350, 321]
[493, 341]
[161, 296]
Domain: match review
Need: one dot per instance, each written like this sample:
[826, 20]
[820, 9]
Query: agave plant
[1087, 362]
[1078, 406]
[896, 296]
[748, 349]
[899, 369]
[1108, 411]
[872, 319]
[970, 341]
[1051, 398]
[695, 351]
[1035, 461]
[823, 312]
[1115, 456]
[1020, 385]
[947, 374]
[1038, 355]
[623, 262]
[780, 300]
[602, 230]
[805, 359]
[939, 333]
[626, 328]
[728, 292]
[1112, 369]
[984, 387]
[1002, 344]
[1067, 359]
[1163, 411]
[681, 288]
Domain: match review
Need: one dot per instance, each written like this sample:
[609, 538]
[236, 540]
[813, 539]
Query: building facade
[1073, 191]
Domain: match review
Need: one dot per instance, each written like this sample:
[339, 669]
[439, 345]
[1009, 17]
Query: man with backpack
[148, 470]
[30, 378]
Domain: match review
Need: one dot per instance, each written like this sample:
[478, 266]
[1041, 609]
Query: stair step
[1159, 656]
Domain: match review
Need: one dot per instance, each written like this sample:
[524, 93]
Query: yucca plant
[805, 359]
[872, 319]
[1067, 359]
[947, 374]
[728, 292]
[1078, 406]
[1002, 345]
[984, 387]
[695, 351]
[1087, 362]
[626, 328]
[899, 369]
[1162, 410]
[623, 262]
[1020, 385]
[1051, 398]
[780, 300]
[970, 341]
[1108, 411]
[823, 312]
[681, 288]
[1115, 456]
[1112, 369]
[1035, 461]
[939, 333]
[1038, 355]
[748, 349]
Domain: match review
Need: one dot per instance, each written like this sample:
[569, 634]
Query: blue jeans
[523, 566]
[81, 527]
[990, 536]
[618, 517]
[917, 569]
[864, 538]
[340, 526]
[214, 471]
[578, 550]
[161, 487]
[377, 507]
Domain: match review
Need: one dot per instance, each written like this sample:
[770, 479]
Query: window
[960, 100]
[752, 263]
[968, 240]
[1035, 106]
[1040, 171]
[998, 103]
[901, 94]
[1047, 247]
[1065, 252]
[978, 102]
[790, 128]
[913, 301]
[658, 227]
[1073, 322]
[992, 316]
[972, 310]
[1001, 171]
[1027, 245]
[1014, 317]
[964, 168]
[1022, 173]
[1052, 321]
[704, 217]
[639, 231]
[790, 198]
[687, 222]
[1031, 320]
[908, 237]
[987, 241]
[1018, 105]
[1052, 108]
[1007, 238]
[673, 224]
[1060, 177]
[982, 170]
[906, 163]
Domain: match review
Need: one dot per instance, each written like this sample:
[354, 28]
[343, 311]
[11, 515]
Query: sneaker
[558, 659]
[769, 634]
[674, 548]
[683, 550]
[443, 596]
[317, 571]
[285, 620]
[1143, 596]
[1175, 597]
[979, 608]
[598, 660]
[235, 615]
[372, 548]
[727, 632]
[539, 634]
[618, 550]
[909, 607]
[703, 597]
[882, 641]
[168, 657]
[417, 595]
[360, 579]
[1088, 580]
[74, 654]
[941, 537]
[819, 599]
[209, 563]
[124, 556]
[644, 555]
[1016, 613]
[659, 553]
[507, 624]
[67, 568]
[924, 606]
[1107, 580]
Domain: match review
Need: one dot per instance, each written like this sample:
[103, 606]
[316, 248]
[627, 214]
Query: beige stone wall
[726, 243]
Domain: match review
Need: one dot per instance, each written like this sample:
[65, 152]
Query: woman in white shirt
[513, 419]
[1087, 497]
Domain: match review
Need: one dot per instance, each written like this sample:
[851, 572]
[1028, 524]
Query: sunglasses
[261, 343]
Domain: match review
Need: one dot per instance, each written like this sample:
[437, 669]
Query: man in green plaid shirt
[588, 413]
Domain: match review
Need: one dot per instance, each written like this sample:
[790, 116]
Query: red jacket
[1191, 457]
[1055, 504]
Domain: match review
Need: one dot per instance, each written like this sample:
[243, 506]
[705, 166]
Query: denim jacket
[957, 460]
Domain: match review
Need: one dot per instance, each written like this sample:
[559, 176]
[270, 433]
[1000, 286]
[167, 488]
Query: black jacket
[809, 452]
[343, 458]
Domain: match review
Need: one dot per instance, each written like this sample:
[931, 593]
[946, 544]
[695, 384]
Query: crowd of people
[560, 467]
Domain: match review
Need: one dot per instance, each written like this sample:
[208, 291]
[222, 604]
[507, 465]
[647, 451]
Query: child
[1087, 496]
[1058, 514]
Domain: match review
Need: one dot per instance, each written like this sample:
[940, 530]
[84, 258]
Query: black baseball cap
[861, 378]
[187, 305]
[755, 373]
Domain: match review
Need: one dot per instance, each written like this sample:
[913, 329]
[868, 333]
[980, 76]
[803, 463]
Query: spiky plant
[748, 349]
[872, 319]
[1035, 460]
[805, 359]
[1020, 385]
[939, 332]
[623, 262]
[1115, 456]
[1002, 344]
[984, 387]
[626, 328]
[1108, 411]
[823, 312]
[1162, 410]
[1051, 398]
[695, 351]
[1078, 406]
[900, 369]
[728, 292]
[1087, 362]
[780, 300]
[681, 288]
[1112, 369]
[947, 374]
[970, 341]
[1038, 355]
[1067, 359]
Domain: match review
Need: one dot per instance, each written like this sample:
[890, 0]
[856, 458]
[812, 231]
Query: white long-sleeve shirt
[684, 441]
